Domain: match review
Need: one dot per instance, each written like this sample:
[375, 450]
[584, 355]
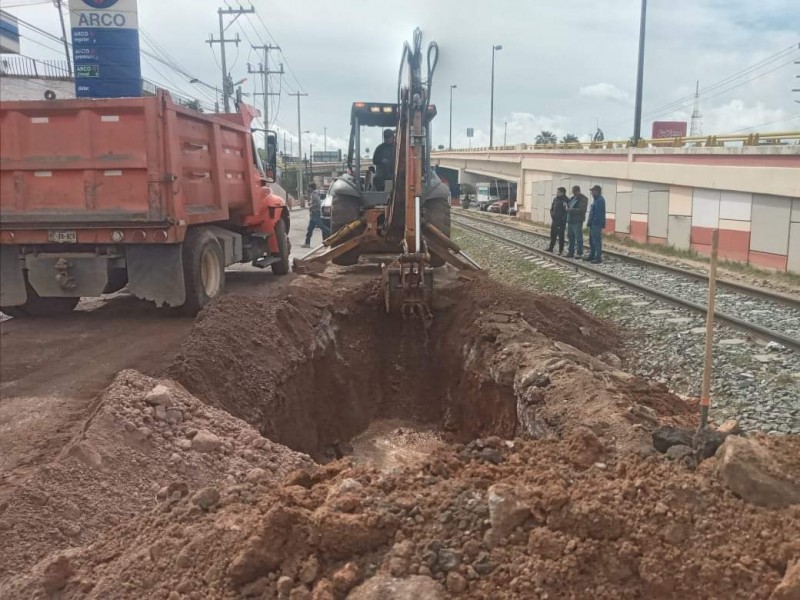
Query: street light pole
[495, 48]
[637, 117]
[452, 87]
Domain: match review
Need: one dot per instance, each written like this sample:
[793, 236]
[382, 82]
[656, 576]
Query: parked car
[485, 203]
[500, 207]
[325, 211]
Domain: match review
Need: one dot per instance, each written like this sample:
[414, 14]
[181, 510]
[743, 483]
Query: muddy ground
[302, 444]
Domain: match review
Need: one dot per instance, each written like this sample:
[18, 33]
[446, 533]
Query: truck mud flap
[12, 279]
[67, 275]
[155, 272]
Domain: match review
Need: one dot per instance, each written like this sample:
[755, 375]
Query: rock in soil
[751, 472]
[416, 587]
[789, 587]
[666, 436]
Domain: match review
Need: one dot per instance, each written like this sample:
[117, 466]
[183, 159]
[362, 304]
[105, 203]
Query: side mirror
[271, 166]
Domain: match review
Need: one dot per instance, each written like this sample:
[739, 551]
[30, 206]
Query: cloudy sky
[565, 66]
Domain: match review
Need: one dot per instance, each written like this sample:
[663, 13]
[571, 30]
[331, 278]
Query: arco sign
[105, 48]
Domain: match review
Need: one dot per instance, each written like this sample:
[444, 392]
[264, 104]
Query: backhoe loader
[408, 218]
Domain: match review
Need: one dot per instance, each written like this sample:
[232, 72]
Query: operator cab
[366, 177]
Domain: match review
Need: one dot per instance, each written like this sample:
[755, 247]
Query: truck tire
[437, 213]
[36, 306]
[344, 210]
[203, 269]
[282, 237]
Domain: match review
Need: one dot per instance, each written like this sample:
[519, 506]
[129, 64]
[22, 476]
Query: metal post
[637, 117]
[491, 110]
[450, 144]
[64, 37]
[225, 102]
[705, 395]
[299, 149]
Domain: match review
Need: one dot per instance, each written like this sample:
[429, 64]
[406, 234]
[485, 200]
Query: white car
[325, 211]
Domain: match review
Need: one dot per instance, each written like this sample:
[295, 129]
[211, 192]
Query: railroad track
[762, 314]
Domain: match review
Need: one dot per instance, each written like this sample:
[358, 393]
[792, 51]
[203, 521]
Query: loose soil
[411, 429]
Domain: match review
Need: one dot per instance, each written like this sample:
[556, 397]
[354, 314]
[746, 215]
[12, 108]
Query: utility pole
[324, 139]
[450, 143]
[64, 36]
[637, 117]
[495, 48]
[227, 82]
[505, 133]
[697, 124]
[299, 148]
[264, 71]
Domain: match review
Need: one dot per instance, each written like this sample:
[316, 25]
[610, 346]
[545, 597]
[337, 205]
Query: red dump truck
[99, 194]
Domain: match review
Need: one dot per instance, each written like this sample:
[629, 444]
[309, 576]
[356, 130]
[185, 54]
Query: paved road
[52, 369]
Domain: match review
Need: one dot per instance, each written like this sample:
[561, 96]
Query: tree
[546, 137]
[194, 105]
[570, 138]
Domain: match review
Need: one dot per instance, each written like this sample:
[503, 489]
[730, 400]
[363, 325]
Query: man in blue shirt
[596, 224]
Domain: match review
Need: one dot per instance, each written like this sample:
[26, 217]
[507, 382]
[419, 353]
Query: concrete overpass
[658, 195]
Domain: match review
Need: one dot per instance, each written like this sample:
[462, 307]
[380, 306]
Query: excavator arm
[401, 223]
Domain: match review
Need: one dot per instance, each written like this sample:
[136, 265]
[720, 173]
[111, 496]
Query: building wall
[18, 88]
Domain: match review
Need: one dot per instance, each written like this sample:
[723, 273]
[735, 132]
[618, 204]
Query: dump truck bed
[127, 162]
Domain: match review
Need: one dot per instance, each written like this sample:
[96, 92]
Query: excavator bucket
[408, 289]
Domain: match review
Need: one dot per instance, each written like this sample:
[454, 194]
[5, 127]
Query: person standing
[596, 224]
[576, 215]
[315, 215]
[558, 219]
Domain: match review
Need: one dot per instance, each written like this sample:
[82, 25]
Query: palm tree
[570, 138]
[546, 137]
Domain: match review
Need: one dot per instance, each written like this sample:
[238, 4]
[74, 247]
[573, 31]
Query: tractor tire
[345, 210]
[282, 237]
[36, 306]
[203, 269]
[437, 213]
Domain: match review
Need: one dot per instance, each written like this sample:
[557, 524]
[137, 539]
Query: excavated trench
[324, 371]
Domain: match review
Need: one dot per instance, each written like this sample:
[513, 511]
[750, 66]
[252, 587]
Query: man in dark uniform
[558, 216]
[383, 158]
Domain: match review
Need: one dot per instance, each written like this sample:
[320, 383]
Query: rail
[730, 320]
[781, 138]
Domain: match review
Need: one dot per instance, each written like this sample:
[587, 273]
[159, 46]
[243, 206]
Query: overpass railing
[710, 141]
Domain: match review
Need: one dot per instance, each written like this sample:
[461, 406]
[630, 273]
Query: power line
[285, 59]
[737, 75]
[724, 91]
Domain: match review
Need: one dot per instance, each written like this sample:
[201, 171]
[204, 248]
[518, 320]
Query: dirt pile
[145, 442]
[492, 519]
[530, 471]
[313, 369]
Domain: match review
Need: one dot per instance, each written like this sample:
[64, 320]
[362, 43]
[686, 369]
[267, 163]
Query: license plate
[62, 237]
